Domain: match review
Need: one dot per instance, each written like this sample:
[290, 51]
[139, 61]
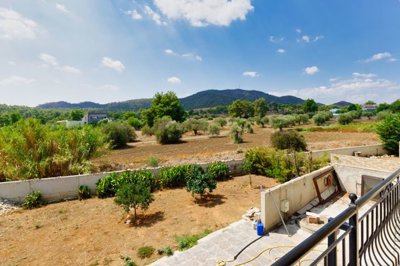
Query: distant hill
[203, 99]
[210, 98]
[342, 103]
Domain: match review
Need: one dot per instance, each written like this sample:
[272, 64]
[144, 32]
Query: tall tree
[165, 104]
[76, 115]
[240, 108]
[310, 106]
[260, 107]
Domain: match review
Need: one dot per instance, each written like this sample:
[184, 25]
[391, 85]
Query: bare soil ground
[92, 232]
[195, 149]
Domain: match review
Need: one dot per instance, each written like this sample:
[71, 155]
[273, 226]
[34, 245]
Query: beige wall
[299, 192]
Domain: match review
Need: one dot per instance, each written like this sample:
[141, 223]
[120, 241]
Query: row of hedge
[168, 177]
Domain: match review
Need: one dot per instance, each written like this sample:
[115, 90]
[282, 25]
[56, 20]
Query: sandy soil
[92, 233]
[195, 149]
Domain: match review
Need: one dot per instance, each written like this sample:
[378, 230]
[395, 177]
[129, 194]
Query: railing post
[354, 256]
[332, 256]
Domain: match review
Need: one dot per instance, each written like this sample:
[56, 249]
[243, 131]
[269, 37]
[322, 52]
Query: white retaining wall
[59, 188]
[66, 187]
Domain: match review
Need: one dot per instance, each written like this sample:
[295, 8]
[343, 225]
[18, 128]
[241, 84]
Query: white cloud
[311, 70]
[174, 80]
[317, 38]
[62, 8]
[364, 75]
[274, 39]
[14, 26]
[206, 12]
[113, 64]
[51, 61]
[381, 56]
[298, 31]
[154, 16]
[305, 38]
[70, 70]
[15, 80]
[251, 74]
[134, 14]
[188, 56]
[354, 89]
[48, 59]
[281, 51]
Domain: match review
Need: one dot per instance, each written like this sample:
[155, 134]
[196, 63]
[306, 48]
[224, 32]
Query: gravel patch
[7, 206]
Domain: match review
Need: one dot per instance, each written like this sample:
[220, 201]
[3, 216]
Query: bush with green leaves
[195, 125]
[383, 114]
[236, 133]
[173, 177]
[168, 251]
[389, 132]
[109, 185]
[30, 149]
[345, 119]
[145, 252]
[134, 196]
[221, 121]
[321, 118]
[218, 171]
[84, 192]
[33, 200]
[261, 121]
[188, 241]
[128, 261]
[275, 163]
[167, 131]
[213, 130]
[118, 134]
[153, 161]
[198, 181]
[302, 119]
[282, 121]
[147, 131]
[288, 140]
[135, 122]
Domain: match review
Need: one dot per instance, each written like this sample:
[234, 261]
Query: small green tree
[260, 107]
[76, 115]
[167, 131]
[345, 119]
[221, 121]
[281, 122]
[236, 133]
[288, 140]
[195, 125]
[134, 196]
[214, 130]
[118, 134]
[241, 108]
[310, 106]
[198, 182]
[389, 132]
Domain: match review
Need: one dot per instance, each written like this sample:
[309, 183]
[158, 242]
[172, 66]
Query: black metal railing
[371, 239]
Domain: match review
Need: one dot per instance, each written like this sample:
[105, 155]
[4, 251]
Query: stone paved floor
[225, 243]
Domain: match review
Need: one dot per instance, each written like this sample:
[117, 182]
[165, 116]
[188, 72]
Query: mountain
[342, 103]
[210, 98]
[203, 99]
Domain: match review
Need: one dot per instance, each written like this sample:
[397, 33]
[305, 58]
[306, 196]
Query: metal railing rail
[372, 239]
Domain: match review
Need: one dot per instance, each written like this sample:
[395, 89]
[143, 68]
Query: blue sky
[104, 51]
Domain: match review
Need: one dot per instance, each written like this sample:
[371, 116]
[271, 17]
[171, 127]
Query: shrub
[195, 125]
[84, 192]
[249, 128]
[147, 131]
[289, 140]
[31, 150]
[128, 261]
[119, 134]
[197, 182]
[321, 117]
[261, 121]
[345, 119]
[134, 195]
[389, 132]
[135, 123]
[167, 131]
[218, 171]
[188, 241]
[153, 161]
[221, 121]
[214, 130]
[383, 114]
[168, 251]
[33, 200]
[107, 186]
[282, 121]
[173, 177]
[145, 252]
[236, 133]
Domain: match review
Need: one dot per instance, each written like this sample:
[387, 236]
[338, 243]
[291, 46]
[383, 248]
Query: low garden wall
[66, 187]
[60, 188]
[298, 192]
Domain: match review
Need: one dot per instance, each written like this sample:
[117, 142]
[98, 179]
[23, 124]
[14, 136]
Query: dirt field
[204, 149]
[91, 232]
